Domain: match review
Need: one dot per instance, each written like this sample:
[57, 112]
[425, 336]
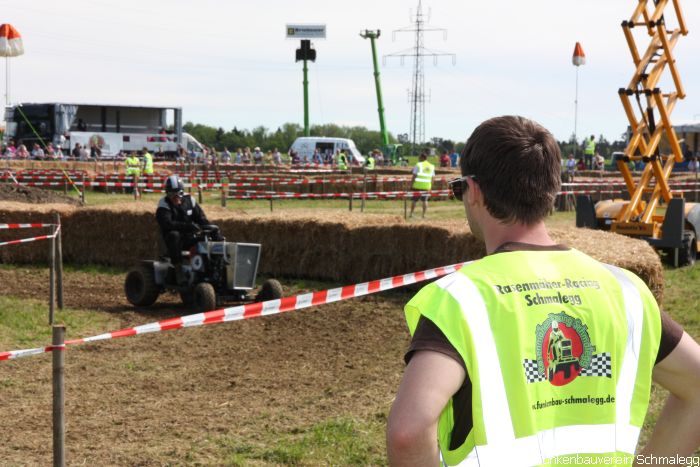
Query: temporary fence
[232, 177]
[257, 309]
[29, 226]
[55, 256]
[230, 182]
[359, 195]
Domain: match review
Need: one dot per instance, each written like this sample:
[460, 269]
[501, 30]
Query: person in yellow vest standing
[536, 354]
[588, 152]
[133, 171]
[370, 162]
[147, 162]
[342, 160]
[422, 180]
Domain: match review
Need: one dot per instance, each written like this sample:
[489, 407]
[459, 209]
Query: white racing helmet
[173, 185]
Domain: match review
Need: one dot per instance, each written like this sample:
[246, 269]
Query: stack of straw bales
[342, 247]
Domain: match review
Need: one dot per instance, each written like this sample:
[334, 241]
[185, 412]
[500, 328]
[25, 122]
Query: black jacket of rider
[183, 218]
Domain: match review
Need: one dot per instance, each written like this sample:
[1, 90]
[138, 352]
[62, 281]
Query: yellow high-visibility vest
[148, 163]
[133, 165]
[424, 177]
[559, 351]
[590, 147]
[342, 161]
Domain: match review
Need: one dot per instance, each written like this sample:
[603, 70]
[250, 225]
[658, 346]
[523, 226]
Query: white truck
[111, 144]
[306, 145]
[111, 128]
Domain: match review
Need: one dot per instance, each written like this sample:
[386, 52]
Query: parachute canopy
[10, 41]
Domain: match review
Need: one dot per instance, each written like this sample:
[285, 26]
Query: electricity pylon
[417, 96]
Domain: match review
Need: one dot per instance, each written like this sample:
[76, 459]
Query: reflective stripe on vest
[630, 362]
[503, 447]
[424, 177]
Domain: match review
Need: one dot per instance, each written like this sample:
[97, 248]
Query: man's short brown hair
[517, 165]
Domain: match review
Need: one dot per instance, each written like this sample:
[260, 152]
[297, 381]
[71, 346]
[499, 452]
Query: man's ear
[473, 194]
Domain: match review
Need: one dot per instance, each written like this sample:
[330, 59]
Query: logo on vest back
[564, 352]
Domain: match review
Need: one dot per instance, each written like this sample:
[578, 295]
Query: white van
[305, 146]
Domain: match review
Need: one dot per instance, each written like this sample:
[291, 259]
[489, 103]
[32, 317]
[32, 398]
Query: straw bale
[635, 255]
[346, 247]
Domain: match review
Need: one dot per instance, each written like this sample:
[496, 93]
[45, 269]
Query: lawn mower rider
[181, 220]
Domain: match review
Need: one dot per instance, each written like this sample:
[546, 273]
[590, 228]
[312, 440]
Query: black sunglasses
[459, 185]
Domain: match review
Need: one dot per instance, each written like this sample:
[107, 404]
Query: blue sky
[227, 63]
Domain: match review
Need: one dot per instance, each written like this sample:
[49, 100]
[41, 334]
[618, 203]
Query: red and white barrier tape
[375, 194]
[590, 192]
[32, 239]
[24, 226]
[254, 310]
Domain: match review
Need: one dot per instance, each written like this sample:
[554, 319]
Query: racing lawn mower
[213, 273]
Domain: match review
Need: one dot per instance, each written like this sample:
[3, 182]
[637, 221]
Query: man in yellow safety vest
[342, 160]
[147, 162]
[370, 162]
[422, 180]
[132, 164]
[588, 152]
[133, 170]
[536, 354]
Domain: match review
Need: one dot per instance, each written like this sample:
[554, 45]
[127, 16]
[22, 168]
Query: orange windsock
[10, 41]
[579, 58]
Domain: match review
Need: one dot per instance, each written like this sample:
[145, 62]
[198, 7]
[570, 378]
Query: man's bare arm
[430, 380]
[677, 430]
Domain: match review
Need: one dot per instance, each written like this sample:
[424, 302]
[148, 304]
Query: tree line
[365, 139]
[282, 138]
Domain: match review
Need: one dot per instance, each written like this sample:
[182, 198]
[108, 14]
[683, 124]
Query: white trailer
[111, 128]
[111, 144]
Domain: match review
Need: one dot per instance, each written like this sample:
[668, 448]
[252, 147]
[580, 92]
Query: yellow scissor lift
[671, 230]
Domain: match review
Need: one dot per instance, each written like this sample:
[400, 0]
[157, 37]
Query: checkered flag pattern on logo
[531, 373]
[601, 365]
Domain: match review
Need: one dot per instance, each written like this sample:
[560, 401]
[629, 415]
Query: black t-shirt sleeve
[671, 333]
[429, 337]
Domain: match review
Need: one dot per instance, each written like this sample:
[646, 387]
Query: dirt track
[162, 398]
